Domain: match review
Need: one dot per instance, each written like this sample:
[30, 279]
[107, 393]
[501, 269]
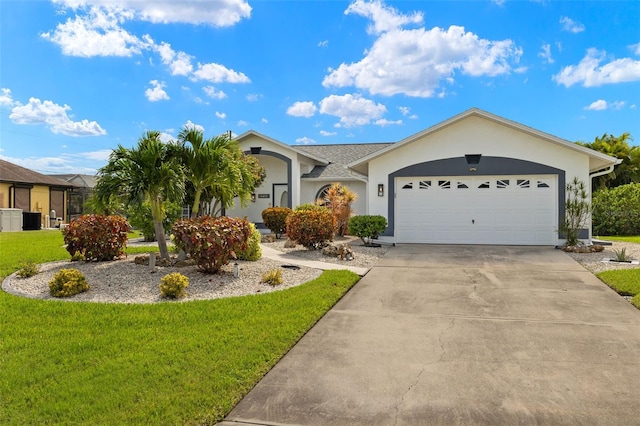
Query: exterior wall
[473, 135]
[4, 195]
[282, 166]
[310, 189]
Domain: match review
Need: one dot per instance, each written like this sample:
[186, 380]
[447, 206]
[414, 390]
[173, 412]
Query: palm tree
[150, 172]
[218, 170]
[626, 172]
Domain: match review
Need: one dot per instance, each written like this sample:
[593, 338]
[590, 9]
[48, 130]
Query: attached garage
[511, 209]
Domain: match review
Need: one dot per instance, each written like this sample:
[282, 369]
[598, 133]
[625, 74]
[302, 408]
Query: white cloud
[6, 99]
[242, 123]
[383, 122]
[353, 110]
[570, 25]
[325, 133]
[216, 13]
[601, 105]
[545, 53]
[178, 62]
[166, 137]
[221, 115]
[590, 73]
[100, 155]
[385, 18]
[598, 105]
[191, 125]
[200, 101]
[302, 109]
[156, 93]
[305, 141]
[217, 73]
[98, 33]
[264, 120]
[211, 92]
[253, 97]
[415, 62]
[323, 43]
[635, 48]
[55, 117]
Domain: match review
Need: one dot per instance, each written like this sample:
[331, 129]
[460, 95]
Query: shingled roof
[338, 156]
[12, 173]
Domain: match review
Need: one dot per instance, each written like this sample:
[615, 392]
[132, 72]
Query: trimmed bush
[310, 206]
[616, 211]
[367, 227]
[312, 229]
[28, 269]
[273, 277]
[211, 242]
[172, 286]
[68, 282]
[275, 218]
[253, 251]
[97, 237]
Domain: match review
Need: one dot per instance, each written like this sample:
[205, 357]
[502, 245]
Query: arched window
[322, 195]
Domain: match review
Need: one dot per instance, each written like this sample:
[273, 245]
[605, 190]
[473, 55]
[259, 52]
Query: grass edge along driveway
[166, 363]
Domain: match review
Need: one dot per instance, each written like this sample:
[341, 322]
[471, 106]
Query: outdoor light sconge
[253, 198]
[380, 190]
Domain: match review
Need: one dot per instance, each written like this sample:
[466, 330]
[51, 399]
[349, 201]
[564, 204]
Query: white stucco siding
[311, 187]
[472, 135]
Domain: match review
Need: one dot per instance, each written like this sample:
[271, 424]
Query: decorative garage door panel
[519, 210]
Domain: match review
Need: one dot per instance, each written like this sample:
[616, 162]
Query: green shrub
[367, 227]
[172, 286]
[310, 206]
[312, 228]
[77, 257]
[616, 211]
[141, 219]
[253, 251]
[211, 242]
[28, 269]
[68, 282]
[97, 237]
[275, 218]
[273, 277]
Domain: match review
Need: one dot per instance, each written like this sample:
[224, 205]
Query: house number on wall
[264, 195]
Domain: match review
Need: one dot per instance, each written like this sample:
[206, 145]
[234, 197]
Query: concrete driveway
[449, 335]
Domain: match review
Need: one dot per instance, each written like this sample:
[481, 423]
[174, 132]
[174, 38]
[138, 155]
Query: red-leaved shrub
[97, 237]
[311, 228]
[275, 218]
[210, 241]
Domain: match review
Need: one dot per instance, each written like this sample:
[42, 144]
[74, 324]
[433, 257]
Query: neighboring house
[21, 188]
[475, 178]
[82, 190]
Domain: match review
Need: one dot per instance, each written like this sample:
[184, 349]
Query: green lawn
[167, 363]
[633, 239]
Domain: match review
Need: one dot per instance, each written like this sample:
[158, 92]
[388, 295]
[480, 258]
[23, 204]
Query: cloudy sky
[80, 77]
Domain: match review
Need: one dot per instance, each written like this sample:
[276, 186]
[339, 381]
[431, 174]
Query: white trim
[281, 144]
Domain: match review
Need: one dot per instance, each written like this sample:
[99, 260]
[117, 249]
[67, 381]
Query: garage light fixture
[473, 158]
[380, 190]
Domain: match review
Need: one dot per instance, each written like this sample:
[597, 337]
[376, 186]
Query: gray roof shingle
[338, 156]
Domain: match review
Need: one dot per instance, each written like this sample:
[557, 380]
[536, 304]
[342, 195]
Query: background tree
[151, 172]
[626, 172]
[338, 198]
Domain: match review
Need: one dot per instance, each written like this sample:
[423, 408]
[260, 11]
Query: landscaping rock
[341, 251]
[290, 244]
[268, 238]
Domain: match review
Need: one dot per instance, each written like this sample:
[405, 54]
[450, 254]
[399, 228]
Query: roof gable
[291, 148]
[597, 160]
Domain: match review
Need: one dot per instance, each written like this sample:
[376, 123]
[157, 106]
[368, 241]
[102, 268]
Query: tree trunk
[196, 204]
[156, 213]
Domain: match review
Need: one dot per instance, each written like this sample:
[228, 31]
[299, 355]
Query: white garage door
[520, 210]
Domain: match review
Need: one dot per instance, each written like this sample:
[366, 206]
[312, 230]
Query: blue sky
[79, 77]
